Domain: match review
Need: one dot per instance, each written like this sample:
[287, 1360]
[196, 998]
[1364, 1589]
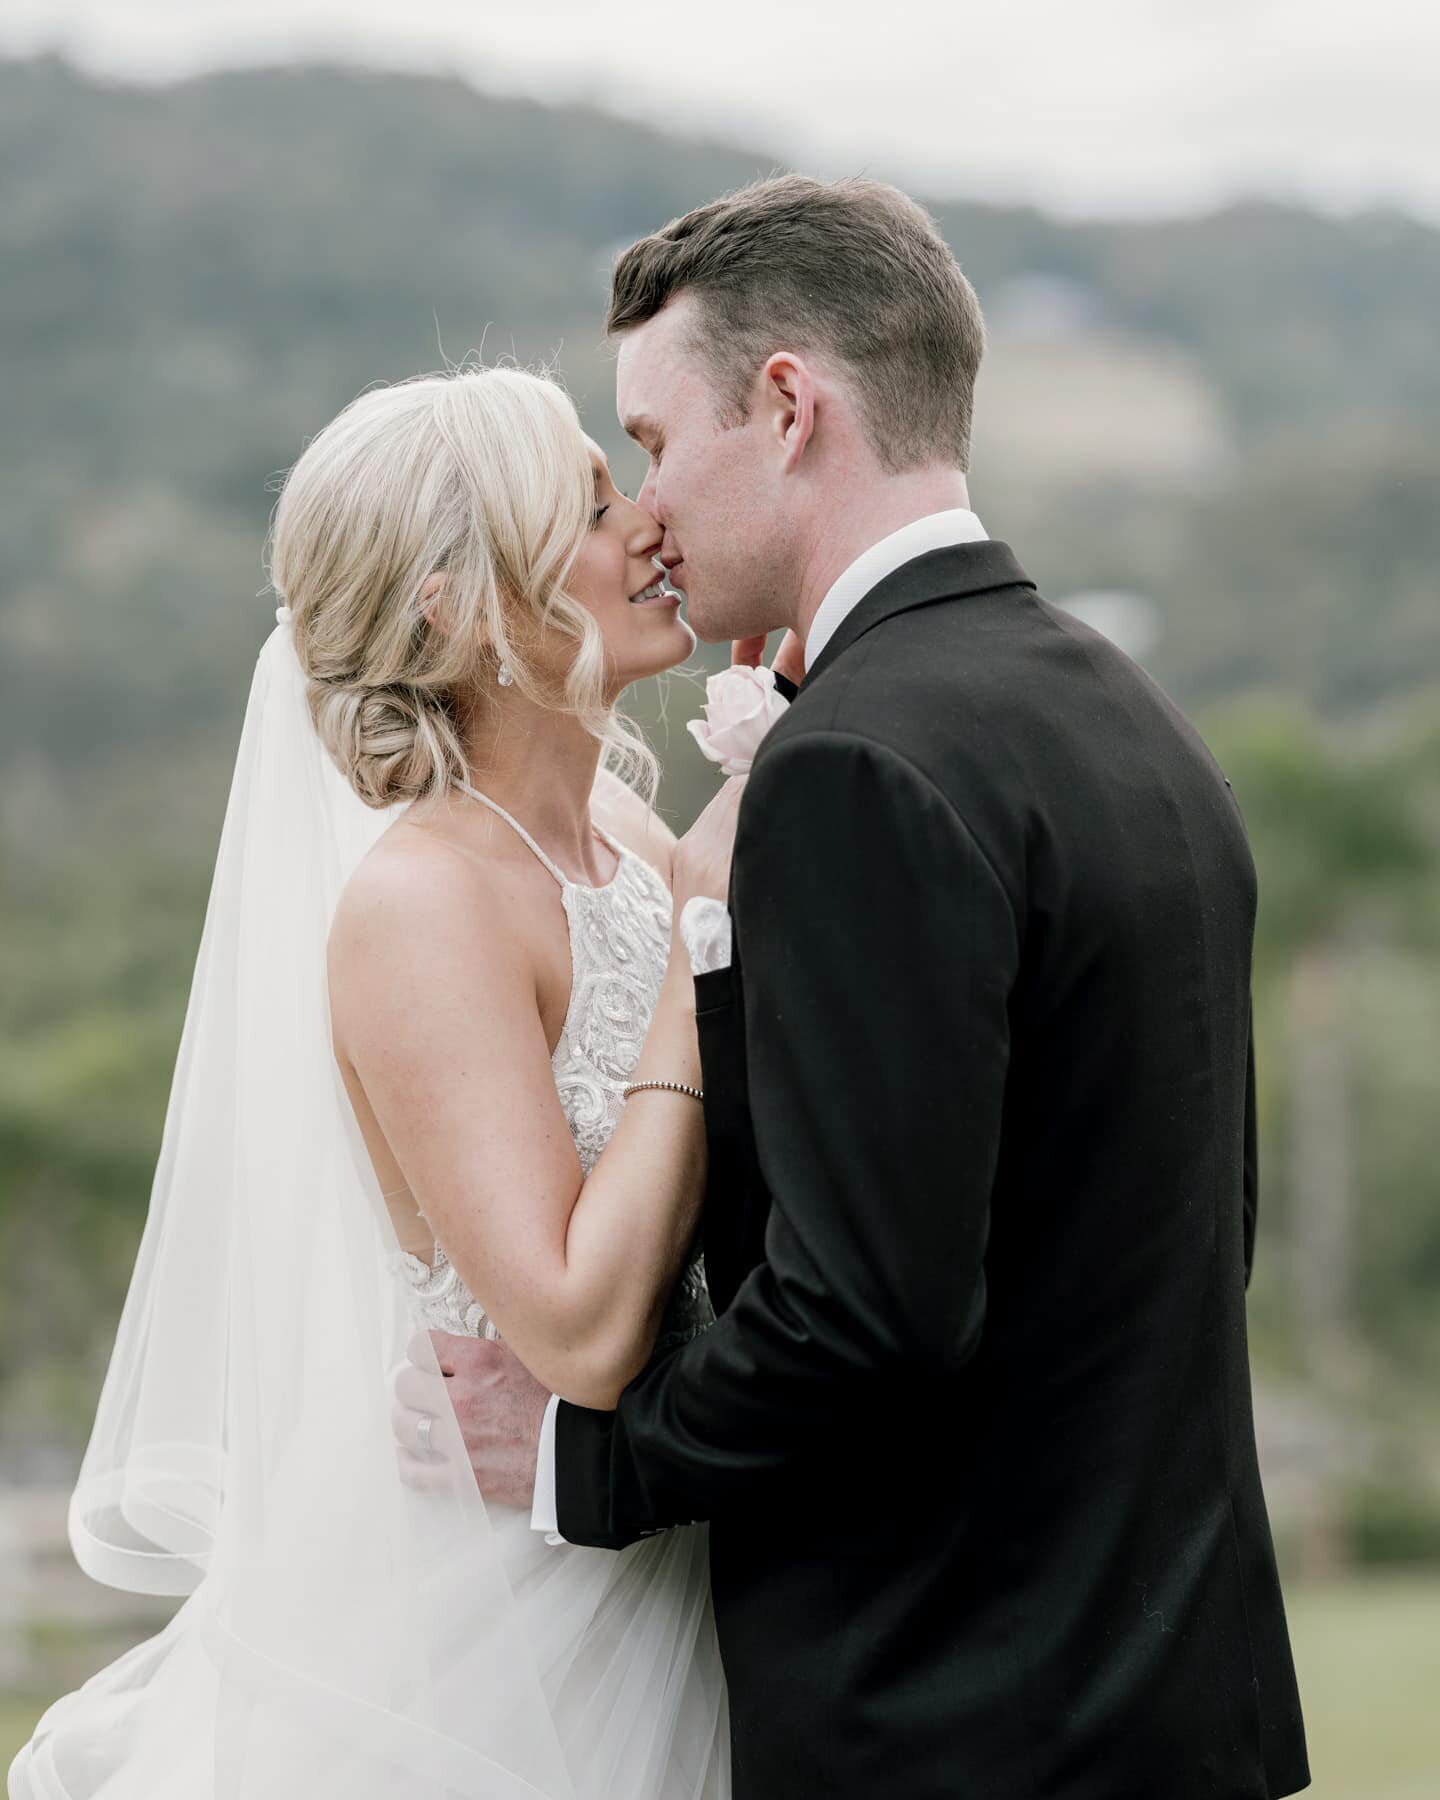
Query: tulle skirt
[624, 1644]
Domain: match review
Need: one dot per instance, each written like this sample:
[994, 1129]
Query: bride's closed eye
[601, 511]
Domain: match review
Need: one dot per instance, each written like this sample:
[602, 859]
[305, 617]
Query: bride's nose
[648, 535]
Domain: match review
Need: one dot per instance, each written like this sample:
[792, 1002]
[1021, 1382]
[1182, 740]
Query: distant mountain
[1231, 422]
[1235, 415]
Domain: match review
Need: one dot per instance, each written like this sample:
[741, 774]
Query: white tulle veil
[343, 1633]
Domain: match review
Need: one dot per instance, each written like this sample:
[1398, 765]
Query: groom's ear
[790, 389]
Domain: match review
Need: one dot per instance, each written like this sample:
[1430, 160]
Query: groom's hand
[789, 658]
[498, 1405]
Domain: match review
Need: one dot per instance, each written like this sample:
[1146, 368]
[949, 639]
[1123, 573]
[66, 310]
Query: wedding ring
[422, 1433]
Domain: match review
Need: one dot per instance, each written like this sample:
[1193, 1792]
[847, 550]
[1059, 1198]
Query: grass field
[1368, 1655]
[16, 1719]
[1369, 1659]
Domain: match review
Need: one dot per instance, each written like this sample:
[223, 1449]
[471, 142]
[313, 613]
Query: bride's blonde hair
[482, 476]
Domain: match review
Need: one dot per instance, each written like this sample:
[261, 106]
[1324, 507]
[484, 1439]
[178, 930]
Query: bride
[430, 1129]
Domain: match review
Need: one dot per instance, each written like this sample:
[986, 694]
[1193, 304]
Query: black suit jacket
[973, 1428]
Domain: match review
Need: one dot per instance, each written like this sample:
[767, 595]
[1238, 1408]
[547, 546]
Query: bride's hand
[702, 857]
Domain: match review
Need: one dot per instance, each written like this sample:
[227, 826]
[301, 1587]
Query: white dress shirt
[935, 531]
[704, 923]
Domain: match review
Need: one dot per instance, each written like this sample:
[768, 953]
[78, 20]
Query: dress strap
[519, 830]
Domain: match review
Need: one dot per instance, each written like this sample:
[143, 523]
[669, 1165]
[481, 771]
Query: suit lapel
[736, 1208]
[952, 572]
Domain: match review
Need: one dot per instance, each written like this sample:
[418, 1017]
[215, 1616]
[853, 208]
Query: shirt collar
[935, 531]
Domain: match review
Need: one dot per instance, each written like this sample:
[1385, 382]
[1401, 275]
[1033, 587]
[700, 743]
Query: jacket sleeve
[879, 948]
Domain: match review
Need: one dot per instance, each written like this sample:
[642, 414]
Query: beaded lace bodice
[619, 944]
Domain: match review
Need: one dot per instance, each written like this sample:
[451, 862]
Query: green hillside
[192, 278]
[1235, 416]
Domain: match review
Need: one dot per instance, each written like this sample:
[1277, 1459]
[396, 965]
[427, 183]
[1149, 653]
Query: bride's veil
[343, 1633]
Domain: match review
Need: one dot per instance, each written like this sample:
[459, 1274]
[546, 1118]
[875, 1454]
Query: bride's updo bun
[483, 477]
[390, 743]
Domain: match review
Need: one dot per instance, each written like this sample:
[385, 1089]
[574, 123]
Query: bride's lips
[671, 593]
[668, 571]
[661, 596]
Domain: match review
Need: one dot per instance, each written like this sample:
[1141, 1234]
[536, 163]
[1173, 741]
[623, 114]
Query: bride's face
[642, 635]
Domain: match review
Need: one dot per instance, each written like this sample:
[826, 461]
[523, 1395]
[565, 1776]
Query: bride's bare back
[497, 862]
[488, 1012]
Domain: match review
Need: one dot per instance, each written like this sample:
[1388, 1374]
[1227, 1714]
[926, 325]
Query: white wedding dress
[619, 945]
[344, 1634]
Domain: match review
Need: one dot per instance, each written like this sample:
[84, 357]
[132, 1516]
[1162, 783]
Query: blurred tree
[194, 277]
[1349, 865]
[1341, 853]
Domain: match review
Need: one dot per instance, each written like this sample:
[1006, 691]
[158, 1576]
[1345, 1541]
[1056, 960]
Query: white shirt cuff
[543, 1514]
[705, 933]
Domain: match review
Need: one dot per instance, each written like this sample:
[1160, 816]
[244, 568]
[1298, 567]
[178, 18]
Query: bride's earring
[504, 675]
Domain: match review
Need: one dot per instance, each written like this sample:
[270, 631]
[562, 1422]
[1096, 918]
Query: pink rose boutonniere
[741, 704]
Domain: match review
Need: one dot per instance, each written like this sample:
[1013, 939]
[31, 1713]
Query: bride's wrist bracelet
[670, 1087]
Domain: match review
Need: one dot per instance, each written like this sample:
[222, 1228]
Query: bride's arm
[435, 1003]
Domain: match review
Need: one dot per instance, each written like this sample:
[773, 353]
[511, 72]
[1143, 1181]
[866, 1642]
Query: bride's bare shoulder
[414, 885]
[622, 812]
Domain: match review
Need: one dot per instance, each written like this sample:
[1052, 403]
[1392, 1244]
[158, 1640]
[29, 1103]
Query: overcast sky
[1111, 106]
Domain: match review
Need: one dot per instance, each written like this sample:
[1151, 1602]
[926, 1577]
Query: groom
[973, 1426]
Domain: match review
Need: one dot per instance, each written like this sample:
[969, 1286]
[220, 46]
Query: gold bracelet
[671, 1087]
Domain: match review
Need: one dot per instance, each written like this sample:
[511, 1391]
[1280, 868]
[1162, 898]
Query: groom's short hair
[853, 268]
